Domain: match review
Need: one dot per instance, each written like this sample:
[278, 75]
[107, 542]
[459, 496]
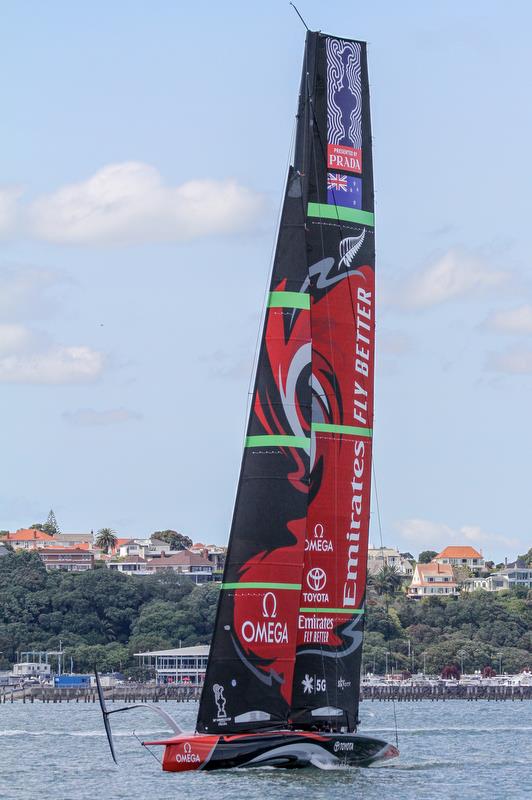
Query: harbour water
[449, 750]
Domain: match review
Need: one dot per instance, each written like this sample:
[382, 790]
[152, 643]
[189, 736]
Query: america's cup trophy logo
[219, 699]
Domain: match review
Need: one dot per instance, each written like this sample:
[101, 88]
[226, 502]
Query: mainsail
[288, 634]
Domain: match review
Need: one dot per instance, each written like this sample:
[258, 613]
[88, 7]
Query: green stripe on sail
[252, 585]
[278, 441]
[289, 300]
[348, 430]
[325, 211]
[332, 610]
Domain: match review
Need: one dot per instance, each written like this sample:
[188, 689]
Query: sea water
[454, 749]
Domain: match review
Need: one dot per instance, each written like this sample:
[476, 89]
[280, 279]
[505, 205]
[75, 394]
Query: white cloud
[30, 356]
[128, 202]
[429, 535]
[456, 274]
[511, 362]
[514, 320]
[8, 210]
[89, 417]
[54, 364]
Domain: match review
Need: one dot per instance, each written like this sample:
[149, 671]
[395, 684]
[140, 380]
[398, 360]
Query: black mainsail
[287, 643]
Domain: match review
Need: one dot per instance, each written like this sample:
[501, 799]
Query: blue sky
[128, 325]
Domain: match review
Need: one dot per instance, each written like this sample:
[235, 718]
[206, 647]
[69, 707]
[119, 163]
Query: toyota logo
[187, 747]
[269, 607]
[316, 579]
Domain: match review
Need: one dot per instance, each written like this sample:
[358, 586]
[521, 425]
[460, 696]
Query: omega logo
[269, 609]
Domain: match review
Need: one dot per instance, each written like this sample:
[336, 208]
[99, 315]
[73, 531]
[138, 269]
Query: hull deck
[287, 749]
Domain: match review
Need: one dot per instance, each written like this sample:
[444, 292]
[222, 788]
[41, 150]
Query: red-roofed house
[433, 579]
[28, 539]
[461, 557]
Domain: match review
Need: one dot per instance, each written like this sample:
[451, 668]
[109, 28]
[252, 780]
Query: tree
[106, 539]
[426, 556]
[488, 672]
[526, 557]
[386, 582]
[177, 541]
[451, 671]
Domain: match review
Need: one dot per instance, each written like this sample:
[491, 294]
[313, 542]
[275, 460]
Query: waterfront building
[183, 665]
[461, 557]
[379, 557]
[71, 559]
[433, 579]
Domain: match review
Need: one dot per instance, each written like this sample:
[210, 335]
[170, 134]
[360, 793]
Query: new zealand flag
[344, 190]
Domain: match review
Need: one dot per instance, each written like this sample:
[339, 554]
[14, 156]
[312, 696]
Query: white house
[433, 579]
[379, 557]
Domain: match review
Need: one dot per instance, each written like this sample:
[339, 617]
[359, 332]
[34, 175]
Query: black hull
[284, 749]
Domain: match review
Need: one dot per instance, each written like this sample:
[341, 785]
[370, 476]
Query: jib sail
[249, 676]
[341, 253]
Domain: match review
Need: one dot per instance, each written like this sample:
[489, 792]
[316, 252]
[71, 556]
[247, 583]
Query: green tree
[106, 539]
[426, 556]
[177, 541]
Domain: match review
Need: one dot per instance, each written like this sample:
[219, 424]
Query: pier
[143, 693]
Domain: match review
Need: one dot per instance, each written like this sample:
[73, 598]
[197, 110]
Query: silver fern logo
[349, 247]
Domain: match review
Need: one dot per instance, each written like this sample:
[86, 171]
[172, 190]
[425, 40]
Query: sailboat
[282, 683]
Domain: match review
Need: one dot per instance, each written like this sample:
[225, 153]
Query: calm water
[448, 750]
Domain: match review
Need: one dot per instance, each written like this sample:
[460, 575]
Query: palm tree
[106, 539]
[386, 582]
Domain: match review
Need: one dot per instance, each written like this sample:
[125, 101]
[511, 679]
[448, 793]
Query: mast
[248, 684]
[341, 259]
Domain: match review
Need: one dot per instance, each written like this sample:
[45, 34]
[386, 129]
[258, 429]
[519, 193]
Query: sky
[144, 153]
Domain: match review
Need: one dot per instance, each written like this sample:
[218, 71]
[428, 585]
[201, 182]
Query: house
[74, 539]
[71, 559]
[509, 578]
[433, 579]
[197, 568]
[379, 557]
[215, 553]
[130, 565]
[28, 539]
[145, 548]
[461, 557]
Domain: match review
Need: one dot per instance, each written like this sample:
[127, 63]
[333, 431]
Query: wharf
[143, 693]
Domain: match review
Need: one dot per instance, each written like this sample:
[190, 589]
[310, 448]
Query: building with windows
[131, 565]
[71, 559]
[509, 578]
[28, 539]
[379, 557]
[184, 666]
[461, 557]
[433, 579]
[197, 568]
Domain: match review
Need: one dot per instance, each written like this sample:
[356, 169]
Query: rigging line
[376, 496]
[147, 748]
[299, 15]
